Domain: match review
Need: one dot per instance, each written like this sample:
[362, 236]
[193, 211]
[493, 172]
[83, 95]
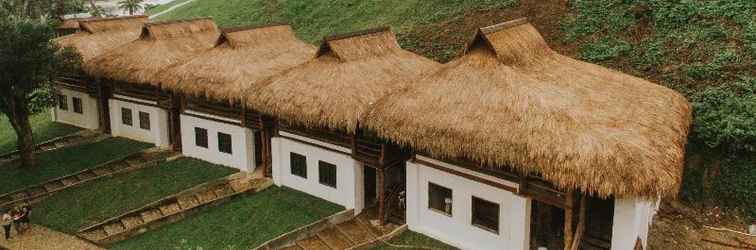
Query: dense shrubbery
[705, 49]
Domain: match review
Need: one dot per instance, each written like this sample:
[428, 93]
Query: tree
[33, 9]
[130, 5]
[29, 61]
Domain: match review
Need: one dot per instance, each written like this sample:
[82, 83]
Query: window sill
[484, 228]
[440, 212]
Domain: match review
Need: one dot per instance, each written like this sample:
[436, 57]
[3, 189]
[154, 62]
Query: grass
[410, 238]
[77, 207]
[317, 18]
[65, 161]
[161, 7]
[42, 126]
[243, 223]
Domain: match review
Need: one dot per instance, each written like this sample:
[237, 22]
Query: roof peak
[252, 27]
[515, 42]
[179, 28]
[503, 26]
[359, 44]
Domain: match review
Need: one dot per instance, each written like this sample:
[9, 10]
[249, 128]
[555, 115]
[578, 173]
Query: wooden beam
[581, 222]
[568, 221]
[381, 196]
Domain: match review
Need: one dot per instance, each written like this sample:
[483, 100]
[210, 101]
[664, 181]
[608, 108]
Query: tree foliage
[725, 116]
[130, 6]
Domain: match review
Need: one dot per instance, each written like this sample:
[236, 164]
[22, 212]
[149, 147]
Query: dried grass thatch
[159, 46]
[243, 58]
[512, 101]
[99, 35]
[335, 88]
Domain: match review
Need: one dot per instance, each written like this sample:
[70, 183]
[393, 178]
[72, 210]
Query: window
[327, 174]
[144, 120]
[77, 105]
[200, 137]
[126, 117]
[224, 143]
[62, 102]
[299, 165]
[439, 199]
[485, 214]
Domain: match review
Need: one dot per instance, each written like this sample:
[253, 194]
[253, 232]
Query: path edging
[303, 232]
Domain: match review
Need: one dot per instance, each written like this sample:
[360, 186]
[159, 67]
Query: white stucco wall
[632, 220]
[158, 133]
[90, 117]
[349, 174]
[457, 230]
[242, 154]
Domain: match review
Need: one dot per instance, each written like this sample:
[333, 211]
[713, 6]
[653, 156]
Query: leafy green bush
[736, 184]
[725, 116]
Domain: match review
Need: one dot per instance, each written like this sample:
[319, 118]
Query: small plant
[604, 49]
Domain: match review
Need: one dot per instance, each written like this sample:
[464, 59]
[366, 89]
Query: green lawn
[162, 7]
[316, 18]
[243, 223]
[93, 202]
[410, 238]
[42, 126]
[65, 161]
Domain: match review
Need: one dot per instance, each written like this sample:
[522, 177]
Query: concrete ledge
[380, 240]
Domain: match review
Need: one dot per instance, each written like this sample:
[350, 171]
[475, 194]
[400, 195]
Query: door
[371, 193]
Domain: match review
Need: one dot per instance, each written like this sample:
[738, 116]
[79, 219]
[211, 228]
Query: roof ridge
[505, 25]
[177, 21]
[252, 27]
[342, 36]
[105, 19]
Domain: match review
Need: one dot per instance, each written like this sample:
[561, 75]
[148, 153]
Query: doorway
[371, 193]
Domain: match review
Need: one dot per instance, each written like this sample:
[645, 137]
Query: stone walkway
[39, 237]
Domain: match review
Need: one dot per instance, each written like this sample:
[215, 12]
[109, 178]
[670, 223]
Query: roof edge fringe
[504, 25]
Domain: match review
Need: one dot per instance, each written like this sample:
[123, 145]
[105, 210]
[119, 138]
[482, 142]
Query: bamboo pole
[581, 222]
[570, 200]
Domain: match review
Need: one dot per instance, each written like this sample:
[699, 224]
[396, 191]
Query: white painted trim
[206, 115]
[316, 142]
[140, 101]
[468, 171]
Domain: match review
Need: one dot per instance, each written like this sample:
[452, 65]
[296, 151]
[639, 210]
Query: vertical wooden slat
[381, 196]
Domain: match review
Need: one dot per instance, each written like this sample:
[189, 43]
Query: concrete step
[151, 215]
[312, 243]
[132, 221]
[356, 232]
[335, 239]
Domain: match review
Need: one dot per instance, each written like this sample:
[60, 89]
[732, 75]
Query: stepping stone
[118, 166]
[132, 221]
[224, 191]
[187, 202]
[94, 235]
[334, 239]
[55, 185]
[114, 228]
[312, 243]
[37, 191]
[69, 181]
[46, 147]
[102, 171]
[170, 209]
[356, 232]
[19, 195]
[239, 186]
[206, 196]
[151, 215]
[86, 175]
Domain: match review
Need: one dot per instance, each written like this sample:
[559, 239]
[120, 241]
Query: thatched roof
[336, 87]
[511, 101]
[159, 46]
[99, 35]
[243, 58]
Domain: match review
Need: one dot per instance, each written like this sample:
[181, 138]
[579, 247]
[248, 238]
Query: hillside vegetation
[703, 48]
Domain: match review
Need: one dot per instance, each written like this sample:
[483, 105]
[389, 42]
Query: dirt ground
[678, 226]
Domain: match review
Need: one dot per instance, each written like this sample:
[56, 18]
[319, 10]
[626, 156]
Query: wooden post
[569, 202]
[381, 196]
[581, 222]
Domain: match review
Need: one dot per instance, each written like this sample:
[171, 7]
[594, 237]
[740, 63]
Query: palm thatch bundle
[99, 35]
[159, 46]
[243, 58]
[512, 102]
[337, 87]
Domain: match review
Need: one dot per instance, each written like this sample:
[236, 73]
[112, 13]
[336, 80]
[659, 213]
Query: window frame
[62, 102]
[78, 105]
[473, 209]
[130, 116]
[146, 125]
[222, 146]
[327, 166]
[292, 165]
[205, 143]
[430, 200]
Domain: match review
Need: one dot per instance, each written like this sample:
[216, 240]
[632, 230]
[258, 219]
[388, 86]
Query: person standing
[25, 213]
[17, 214]
[6, 220]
